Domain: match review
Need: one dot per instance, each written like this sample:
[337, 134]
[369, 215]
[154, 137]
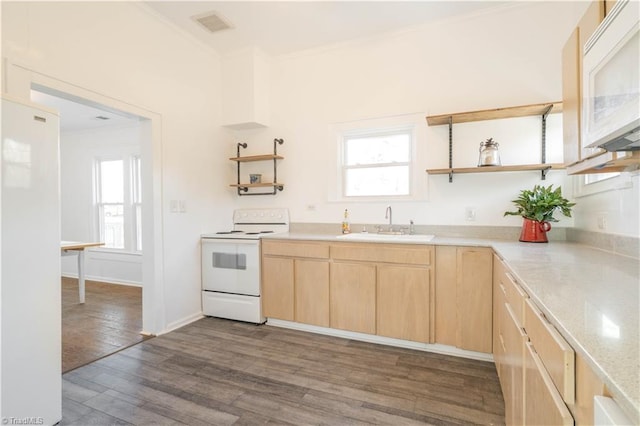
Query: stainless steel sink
[364, 236]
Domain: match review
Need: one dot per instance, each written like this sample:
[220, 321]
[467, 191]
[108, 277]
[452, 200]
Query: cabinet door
[475, 300]
[403, 303]
[512, 378]
[543, 404]
[446, 322]
[499, 299]
[312, 292]
[277, 288]
[353, 297]
[556, 354]
[588, 385]
[571, 101]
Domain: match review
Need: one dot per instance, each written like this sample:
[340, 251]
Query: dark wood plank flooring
[108, 321]
[221, 372]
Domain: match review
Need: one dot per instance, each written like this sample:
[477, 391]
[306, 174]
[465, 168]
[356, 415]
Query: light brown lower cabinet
[543, 380]
[403, 308]
[512, 367]
[464, 297]
[312, 292]
[295, 281]
[530, 395]
[277, 288]
[588, 385]
[555, 353]
[353, 297]
[543, 405]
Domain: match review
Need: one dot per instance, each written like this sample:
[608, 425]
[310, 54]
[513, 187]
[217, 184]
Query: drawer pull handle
[504, 290]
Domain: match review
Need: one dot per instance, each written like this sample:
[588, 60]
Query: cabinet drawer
[388, 253]
[555, 353]
[514, 296]
[296, 249]
[543, 404]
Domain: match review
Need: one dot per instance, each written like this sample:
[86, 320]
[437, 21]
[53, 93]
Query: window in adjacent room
[377, 163]
[118, 203]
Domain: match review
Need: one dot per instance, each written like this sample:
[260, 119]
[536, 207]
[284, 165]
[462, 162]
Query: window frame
[418, 179]
[582, 188]
[130, 224]
[353, 135]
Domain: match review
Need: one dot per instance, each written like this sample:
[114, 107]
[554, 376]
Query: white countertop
[591, 296]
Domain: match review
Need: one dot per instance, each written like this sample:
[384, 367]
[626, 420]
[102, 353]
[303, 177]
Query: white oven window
[229, 260]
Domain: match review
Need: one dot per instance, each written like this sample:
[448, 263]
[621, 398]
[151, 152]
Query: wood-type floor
[221, 372]
[109, 320]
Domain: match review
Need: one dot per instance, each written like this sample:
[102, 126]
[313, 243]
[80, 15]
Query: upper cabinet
[572, 81]
[245, 92]
[579, 158]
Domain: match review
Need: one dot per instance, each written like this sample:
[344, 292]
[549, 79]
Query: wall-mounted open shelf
[243, 188]
[542, 110]
[486, 169]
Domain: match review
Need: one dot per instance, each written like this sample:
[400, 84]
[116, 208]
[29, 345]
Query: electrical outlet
[602, 222]
[470, 214]
[311, 207]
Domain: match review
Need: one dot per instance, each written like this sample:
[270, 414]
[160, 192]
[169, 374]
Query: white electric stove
[231, 264]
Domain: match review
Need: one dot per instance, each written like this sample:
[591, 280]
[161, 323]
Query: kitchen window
[377, 159]
[590, 179]
[118, 203]
[377, 163]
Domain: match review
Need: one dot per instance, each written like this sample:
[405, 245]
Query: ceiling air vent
[212, 21]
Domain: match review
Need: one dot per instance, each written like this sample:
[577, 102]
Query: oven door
[231, 266]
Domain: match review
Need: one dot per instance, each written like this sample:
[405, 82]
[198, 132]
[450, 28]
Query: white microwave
[611, 81]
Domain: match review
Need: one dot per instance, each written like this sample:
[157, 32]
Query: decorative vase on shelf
[534, 231]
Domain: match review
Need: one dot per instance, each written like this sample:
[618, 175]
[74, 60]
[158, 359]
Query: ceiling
[76, 116]
[284, 27]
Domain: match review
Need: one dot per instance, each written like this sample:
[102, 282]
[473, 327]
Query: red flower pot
[534, 231]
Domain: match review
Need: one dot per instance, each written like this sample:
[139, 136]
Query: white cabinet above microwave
[611, 82]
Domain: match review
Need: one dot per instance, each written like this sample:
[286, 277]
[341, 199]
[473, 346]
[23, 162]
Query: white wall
[508, 56]
[118, 50]
[611, 206]
[78, 152]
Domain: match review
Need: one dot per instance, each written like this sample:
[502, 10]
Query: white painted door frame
[20, 79]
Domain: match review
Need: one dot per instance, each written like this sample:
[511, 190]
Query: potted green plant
[537, 207]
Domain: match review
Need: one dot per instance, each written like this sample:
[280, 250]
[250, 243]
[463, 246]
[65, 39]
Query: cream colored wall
[504, 57]
[121, 53]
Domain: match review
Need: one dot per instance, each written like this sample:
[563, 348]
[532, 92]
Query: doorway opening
[101, 187]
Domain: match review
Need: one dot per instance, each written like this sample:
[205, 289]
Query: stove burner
[228, 232]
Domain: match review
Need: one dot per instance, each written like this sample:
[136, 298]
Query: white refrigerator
[30, 297]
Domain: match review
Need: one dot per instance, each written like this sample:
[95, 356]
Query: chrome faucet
[388, 215]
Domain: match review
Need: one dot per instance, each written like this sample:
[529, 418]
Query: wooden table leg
[81, 276]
